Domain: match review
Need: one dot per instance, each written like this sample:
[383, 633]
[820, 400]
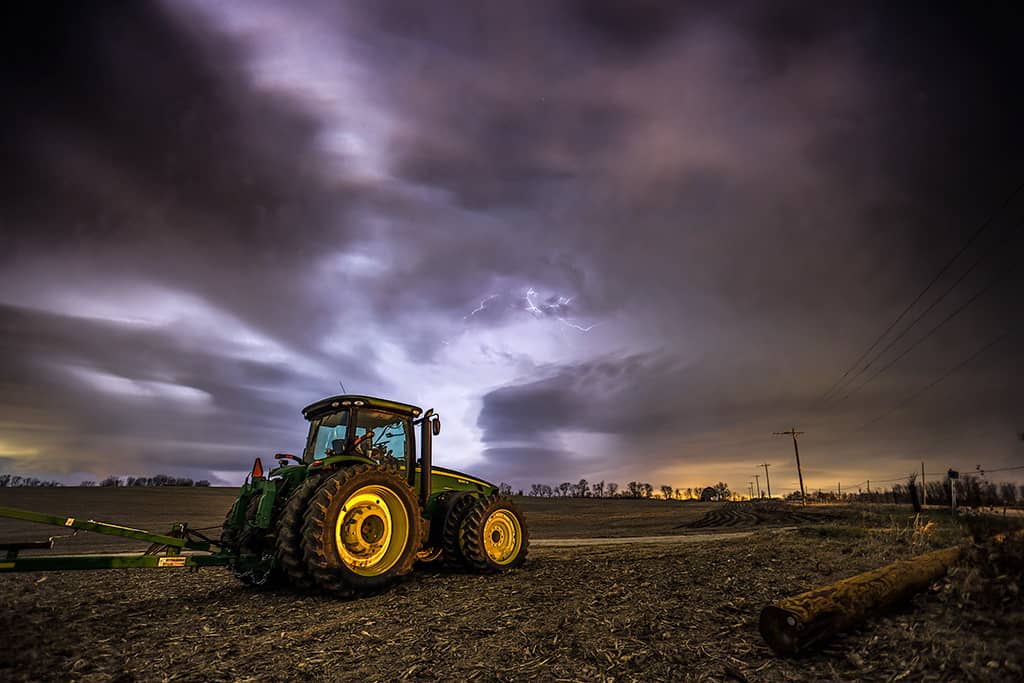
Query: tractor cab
[373, 430]
[379, 435]
[360, 426]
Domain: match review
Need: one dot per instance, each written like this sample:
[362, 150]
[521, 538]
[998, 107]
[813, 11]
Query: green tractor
[357, 510]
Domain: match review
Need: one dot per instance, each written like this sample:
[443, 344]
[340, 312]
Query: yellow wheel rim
[372, 530]
[503, 537]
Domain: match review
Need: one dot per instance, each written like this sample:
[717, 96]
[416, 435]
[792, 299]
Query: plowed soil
[637, 610]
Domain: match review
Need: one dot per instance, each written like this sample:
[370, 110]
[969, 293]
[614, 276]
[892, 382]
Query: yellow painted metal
[372, 530]
[791, 625]
[429, 554]
[503, 536]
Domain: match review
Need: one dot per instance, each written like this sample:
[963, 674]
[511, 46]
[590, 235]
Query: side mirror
[435, 425]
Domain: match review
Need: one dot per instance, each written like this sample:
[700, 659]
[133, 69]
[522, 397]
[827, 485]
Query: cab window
[327, 436]
[381, 436]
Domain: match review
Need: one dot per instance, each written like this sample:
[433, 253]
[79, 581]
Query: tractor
[357, 509]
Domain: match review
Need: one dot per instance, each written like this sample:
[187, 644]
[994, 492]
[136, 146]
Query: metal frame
[165, 550]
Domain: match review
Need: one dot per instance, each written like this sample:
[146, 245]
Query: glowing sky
[609, 240]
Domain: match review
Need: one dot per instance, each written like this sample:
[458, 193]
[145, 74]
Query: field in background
[637, 611]
[155, 509]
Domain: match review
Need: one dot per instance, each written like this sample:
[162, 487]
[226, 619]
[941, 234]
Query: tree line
[971, 491]
[16, 480]
[634, 489]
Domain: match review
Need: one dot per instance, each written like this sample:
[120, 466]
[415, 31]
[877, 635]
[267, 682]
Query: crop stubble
[617, 612]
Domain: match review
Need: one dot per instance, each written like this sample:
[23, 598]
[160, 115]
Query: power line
[928, 386]
[977, 233]
[925, 312]
[994, 281]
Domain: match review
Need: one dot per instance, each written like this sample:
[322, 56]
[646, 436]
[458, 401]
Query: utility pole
[767, 481]
[839, 489]
[796, 450]
[757, 480]
[750, 487]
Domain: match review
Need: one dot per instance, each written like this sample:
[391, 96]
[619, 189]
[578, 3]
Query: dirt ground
[643, 611]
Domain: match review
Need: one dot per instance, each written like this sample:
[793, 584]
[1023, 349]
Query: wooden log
[795, 623]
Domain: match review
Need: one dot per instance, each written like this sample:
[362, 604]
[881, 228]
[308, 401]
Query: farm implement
[352, 515]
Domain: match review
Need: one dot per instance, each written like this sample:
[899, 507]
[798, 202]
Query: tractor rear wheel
[362, 530]
[451, 544]
[494, 536]
[289, 533]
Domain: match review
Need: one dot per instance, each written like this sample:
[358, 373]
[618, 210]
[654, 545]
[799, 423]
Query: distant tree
[580, 489]
[666, 492]
[535, 490]
[563, 488]
[633, 489]
[505, 489]
[110, 481]
[613, 488]
[647, 489]
[722, 489]
[87, 483]
[597, 489]
[938, 493]
[1008, 493]
[689, 493]
[989, 494]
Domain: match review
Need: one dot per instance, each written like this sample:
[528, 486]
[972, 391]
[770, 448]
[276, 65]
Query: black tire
[494, 536]
[289, 533]
[250, 541]
[451, 546]
[370, 545]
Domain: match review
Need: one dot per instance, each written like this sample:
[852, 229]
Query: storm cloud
[604, 239]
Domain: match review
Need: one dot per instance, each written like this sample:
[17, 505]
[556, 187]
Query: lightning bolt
[530, 306]
[483, 303]
[581, 328]
[545, 310]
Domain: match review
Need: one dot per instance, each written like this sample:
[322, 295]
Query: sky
[604, 239]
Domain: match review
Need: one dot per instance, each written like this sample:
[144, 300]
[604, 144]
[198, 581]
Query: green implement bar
[172, 545]
[104, 528]
[72, 562]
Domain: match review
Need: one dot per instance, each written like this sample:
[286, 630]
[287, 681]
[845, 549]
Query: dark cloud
[628, 26]
[143, 398]
[649, 226]
[138, 143]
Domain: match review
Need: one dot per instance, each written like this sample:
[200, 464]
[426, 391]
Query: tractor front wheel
[362, 530]
[252, 542]
[494, 537]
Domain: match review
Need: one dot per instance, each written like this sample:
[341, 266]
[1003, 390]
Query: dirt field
[639, 610]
